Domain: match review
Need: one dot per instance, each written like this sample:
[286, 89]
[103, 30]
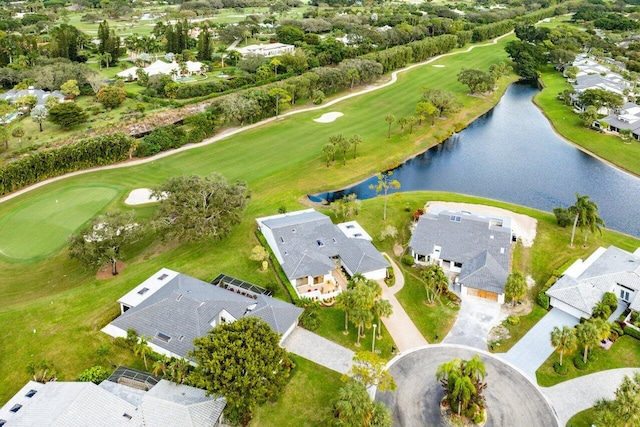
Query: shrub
[579, 363]
[543, 300]
[121, 342]
[615, 327]
[633, 317]
[513, 320]
[632, 332]
[479, 418]
[563, 218]
[408, 260]
[560, 369]
[95, 374]
[611, 300]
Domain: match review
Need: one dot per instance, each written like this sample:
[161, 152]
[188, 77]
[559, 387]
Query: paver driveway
[319, 350]
[535, 347]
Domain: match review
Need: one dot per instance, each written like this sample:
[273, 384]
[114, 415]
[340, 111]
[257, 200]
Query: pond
[512, 154]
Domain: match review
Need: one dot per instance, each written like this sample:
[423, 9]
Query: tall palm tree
[564, 341]
[382, 308]
[142, 349]
[586, 216]
[389, 118]
[344, 301]
[588, 336]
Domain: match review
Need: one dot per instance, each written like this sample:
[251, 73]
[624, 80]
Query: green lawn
[518, 331]
[306, 400]
[56, 214]
[582, 419]
[624, 353]
[622, 153]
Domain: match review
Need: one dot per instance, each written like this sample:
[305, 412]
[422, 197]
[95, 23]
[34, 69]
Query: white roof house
[312, 251]
[112, 403]
[585, 282]
[266, 50]
[161, 67]
[195, 308]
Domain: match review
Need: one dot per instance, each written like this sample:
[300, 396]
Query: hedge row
[52, 162]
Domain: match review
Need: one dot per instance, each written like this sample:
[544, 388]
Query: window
[223, 319]
[163, 276]
[455, 218]
[163, 337]
[457, 264]
[624, 295]
[143, 291]
[31, 393]
[16, 408]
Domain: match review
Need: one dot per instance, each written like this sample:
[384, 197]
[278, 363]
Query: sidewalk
[399, 324]
[319, 350]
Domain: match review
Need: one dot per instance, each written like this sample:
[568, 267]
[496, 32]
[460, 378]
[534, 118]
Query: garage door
[482, 294]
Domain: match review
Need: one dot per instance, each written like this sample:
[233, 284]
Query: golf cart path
[235, 130]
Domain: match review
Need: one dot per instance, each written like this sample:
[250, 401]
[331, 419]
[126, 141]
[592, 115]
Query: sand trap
[328, 117]
[140, 196]
[523, 226]
[439, 66]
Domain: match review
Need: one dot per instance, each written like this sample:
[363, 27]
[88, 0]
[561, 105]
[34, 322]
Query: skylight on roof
[163, 337]
[31, 393]
[319, 242]
[143, 291]
[16, 408]
[163, 276]
[2, 422]
[455, 218]
[127, 416]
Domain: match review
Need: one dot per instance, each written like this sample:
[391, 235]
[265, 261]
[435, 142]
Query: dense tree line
[50, 162]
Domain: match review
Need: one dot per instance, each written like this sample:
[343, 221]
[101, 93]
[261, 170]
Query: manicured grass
[306, 400]
[67, 305]
[432, 321]
[614, 149]
[516, 332]
[582, 419]
[624, 353]
[332, 327]
[58, 213]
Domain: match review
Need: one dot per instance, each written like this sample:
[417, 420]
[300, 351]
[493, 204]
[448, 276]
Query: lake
[512, 154]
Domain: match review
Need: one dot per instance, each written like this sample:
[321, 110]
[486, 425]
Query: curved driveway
[512, 400]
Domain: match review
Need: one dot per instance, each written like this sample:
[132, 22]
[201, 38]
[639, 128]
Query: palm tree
[435, 281]
[564, 341]
[586, 216]
[588, 336]
[382, 308]
[161, 365]
[402, 121]
[384, 184]
[355, 141]
[344, 301]
[361, 316]
[329, 151]
[389, 118]
[411, 121]
[142, 349]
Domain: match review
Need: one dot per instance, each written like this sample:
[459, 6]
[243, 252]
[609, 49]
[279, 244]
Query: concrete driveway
[535, 347]
[512, 400]
[319, 350]
[475, 319]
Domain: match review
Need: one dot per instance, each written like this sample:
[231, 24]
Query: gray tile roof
[465, 242]
[307, 241]
[185, 308]
[42, 95]
[586, 288]
[74, 404]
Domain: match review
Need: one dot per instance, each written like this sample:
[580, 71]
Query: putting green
[40, 228]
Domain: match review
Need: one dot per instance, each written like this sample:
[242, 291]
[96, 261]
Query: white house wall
[554, 302]
[376, 274]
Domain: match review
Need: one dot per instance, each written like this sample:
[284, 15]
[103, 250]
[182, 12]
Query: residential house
[475, 248]
[173, 309]
[161, 67]
[584, 283]
[127, 398]
[625, 118]
[41, 95]
[313, 252]
[267, 50]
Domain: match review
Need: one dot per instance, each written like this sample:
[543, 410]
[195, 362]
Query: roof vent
[179, 297]
[319, 242]
[163, 276]
[127, 416]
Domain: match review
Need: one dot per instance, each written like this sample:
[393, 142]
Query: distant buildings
[160, 67]
[267, 50]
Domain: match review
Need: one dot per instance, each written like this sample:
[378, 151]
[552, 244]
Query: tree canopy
[243, 362]
[66, 115]
[354, 408]
[102, 240]
[194, 208]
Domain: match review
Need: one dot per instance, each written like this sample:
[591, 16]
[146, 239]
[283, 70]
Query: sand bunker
[523, 226]
[140, 196]
[438, 66]
[328, 117]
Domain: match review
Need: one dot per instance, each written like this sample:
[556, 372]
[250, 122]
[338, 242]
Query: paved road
[475, 319]
[512, 400]
[319, 350]
[535, 347]
[570, 397]
[399, 324]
